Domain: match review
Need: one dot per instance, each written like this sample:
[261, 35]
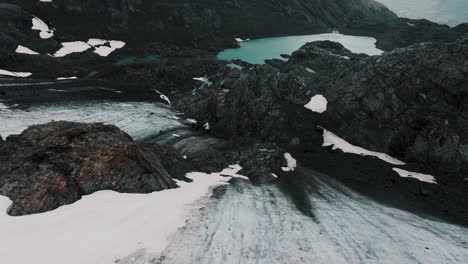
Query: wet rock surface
[55, 164]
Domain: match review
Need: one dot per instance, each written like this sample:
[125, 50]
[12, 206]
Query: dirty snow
[138, 119]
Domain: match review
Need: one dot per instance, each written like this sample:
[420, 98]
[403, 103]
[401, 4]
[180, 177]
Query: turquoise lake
[258, 50]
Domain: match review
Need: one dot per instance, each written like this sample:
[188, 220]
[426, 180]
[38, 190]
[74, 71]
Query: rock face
[55, 164]
[204, 22]
[410, 103]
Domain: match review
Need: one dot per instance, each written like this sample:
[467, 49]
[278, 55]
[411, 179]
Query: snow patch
[24, 50]
[45, 31]
[310, 70]
[420, 176]
[318, 104]
[105, 47]
[66, 78]
[117, 224]
[162, 96]
[191, 120]
[206, 126]
[204, 80]
[72, 47]
[330, 139]
[241, 40]
[15, 74]
[291, 163]
[101, 47]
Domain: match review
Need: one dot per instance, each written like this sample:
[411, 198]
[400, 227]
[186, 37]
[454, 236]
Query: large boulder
[55, 164]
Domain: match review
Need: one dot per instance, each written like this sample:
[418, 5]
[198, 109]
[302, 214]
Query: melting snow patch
[206, 126]
[15, 74]
[317, 104]
[24, 50]
[162, 96]
[118, 224]
[66, 78]
[191, 121]
[330, 139]
[420, 176]
[45, 31]
[204, 80]
[292, 163]
[310, 70]
[241, 40]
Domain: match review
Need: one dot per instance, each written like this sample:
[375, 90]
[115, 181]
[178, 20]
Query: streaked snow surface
[250, 224]
[330, 139]
[258, 50]
[138, 119]
[105, 226]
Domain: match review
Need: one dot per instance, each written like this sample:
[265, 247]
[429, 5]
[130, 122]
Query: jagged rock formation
[410, 103]
[55, 164]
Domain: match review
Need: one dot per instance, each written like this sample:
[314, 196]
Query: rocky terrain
[51, 165]
[319, 134]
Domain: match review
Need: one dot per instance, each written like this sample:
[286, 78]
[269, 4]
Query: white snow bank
[420, 176]
[101, 47]
[24, 50]
[15, 74]
[330, 139]
[105, 226]
[138, 119]
[45, 31]
[292, 163]
[318, 104]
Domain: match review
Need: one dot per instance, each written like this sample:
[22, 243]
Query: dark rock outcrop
[410, 103]
[55, 164]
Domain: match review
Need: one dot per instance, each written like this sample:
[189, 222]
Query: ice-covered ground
[258, 50]
[138, 119]
[106, 226]
[260, 225]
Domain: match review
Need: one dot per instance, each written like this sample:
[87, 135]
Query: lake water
[451, 12]
[258, 50]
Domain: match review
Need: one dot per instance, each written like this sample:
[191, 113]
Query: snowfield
[261, 225]
[105, 227]
[138, 119]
